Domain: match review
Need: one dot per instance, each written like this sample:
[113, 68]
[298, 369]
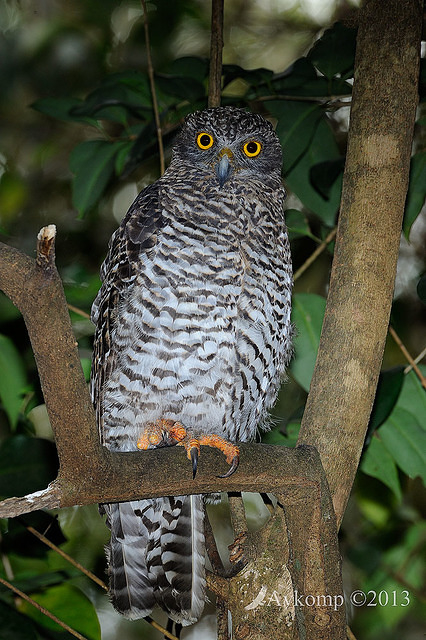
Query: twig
[69, 559]
[49, 498]
[404, 350]
[420, 357]
[157, 626]
[315, 254]
[153, 92]
[78, 311]
[216, 46]
[47, 613]
[329, 103]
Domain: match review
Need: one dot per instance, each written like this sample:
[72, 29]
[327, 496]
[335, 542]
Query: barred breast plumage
[192, 325]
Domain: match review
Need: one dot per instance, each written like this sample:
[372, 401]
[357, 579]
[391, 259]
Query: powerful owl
[193, 335]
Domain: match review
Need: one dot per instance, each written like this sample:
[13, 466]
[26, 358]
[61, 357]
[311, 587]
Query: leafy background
[78, 142]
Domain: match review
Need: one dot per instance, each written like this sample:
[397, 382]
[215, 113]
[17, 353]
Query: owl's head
[226, 143]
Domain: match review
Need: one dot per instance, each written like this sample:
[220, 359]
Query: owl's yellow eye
[204, 140]
[252, 148]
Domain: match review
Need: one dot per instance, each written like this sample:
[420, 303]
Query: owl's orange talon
[167, 433]
[161, 433]
[230, 451]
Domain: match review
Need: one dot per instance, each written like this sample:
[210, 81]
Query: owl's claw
[194, 457]
[166, 433]
[230, 451]
[234, 466]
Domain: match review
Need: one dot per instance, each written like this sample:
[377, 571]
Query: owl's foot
[166, 433]
[229, 450]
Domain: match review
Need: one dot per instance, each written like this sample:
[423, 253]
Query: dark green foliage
[421, 288]
[15, 625]
[334, 53]
[26, 465]
[17, 539]
[416, 190]
[388, 390]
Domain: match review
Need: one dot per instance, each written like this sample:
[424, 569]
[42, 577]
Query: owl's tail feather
[181, 587]
[131, 592]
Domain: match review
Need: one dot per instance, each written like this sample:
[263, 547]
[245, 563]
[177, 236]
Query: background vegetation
[78, 143]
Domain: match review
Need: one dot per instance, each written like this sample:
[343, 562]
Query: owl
[192, 338]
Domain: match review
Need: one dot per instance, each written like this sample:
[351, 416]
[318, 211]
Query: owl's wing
[137, 233]
[132, 524]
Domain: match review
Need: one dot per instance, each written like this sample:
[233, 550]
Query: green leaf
[26, 465]
[37, 582]
[180, 87]
[388, 390]
[122, 157]
[13, 380]
[253, 77]
[334, 52]
[404, 436]
[8, 311]
[307, 140]
[19, 540]
[118, 96]
[302, 79]
[307, 315]
[322, 147]
[413, 395]
[297, 225]
[295, 78]
[404, 561]
[86, 365]
[68, 604]
[324, 175]
[403, 433]
[190, 67]
[287, 439]
[62, 109]
[93, 163]
[15, 626]
[379, 463]
[296, 126]
[416, 191]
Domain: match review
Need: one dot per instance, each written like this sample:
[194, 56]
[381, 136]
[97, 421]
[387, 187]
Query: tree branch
[216, 46]
[364, 267]
[35, 288]
[153, 91]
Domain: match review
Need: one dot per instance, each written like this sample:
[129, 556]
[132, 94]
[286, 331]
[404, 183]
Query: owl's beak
[223, 169]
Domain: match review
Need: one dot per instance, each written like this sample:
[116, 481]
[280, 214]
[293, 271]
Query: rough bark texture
[291, 585]
[364, 267]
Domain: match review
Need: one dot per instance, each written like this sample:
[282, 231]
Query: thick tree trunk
[364, 267]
